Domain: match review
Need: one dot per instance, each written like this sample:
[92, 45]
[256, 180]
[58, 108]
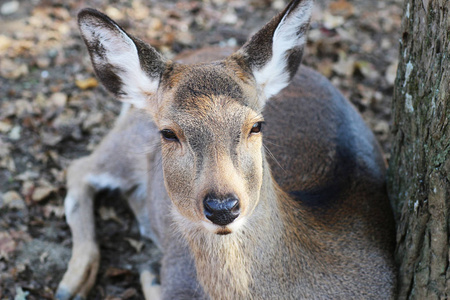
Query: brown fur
[314, 222]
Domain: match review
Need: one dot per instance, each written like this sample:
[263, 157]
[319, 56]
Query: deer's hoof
[62, 294]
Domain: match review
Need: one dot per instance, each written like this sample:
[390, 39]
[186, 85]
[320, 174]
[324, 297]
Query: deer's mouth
[233, 227]
[223, 231]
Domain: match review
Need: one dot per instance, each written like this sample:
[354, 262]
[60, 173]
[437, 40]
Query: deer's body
[313, 219]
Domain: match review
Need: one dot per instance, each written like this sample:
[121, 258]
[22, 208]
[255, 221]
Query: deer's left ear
[273, 54]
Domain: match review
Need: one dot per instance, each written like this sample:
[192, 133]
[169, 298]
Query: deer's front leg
[83, 266]
[150, 286]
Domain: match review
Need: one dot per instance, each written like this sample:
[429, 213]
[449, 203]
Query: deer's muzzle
[221, 210]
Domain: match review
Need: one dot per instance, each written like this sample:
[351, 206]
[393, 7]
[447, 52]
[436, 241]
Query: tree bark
[419, 170]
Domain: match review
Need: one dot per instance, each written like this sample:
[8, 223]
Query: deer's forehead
[211, 113]
[196, 87]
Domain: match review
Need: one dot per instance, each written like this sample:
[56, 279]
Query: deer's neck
[231, 266]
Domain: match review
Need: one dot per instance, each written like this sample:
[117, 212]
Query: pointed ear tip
[88, 12]
[300, 3]
[304, 1]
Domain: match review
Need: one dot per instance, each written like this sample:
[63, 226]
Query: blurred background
[53, 110]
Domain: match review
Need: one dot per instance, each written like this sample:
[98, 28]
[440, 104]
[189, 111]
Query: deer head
[209, 115]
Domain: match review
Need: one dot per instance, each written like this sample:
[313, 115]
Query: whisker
[266, 141]
[271, 155]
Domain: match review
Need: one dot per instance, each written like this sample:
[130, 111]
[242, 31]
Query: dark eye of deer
[169, 135]
[256, 128]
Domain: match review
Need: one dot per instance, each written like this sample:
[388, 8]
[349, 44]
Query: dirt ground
[52, 112]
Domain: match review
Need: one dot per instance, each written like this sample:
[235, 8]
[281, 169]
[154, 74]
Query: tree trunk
[419, 170]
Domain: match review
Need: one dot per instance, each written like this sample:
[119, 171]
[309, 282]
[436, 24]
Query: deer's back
[316, 136]
[323, 155]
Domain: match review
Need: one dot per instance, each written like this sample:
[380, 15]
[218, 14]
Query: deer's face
[208, 115]
[211, 144]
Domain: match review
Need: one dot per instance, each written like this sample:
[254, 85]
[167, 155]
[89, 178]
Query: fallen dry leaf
[137, 245]
[330, 21]
[5, 148]
[108, 213]
[27, 175]
[57, 210]
[12, 199]
[5, 42]
[391, 73]
[114, 272]
[11, 70]
[50, 138]
[114, 13]
[345, 65]
[342, 8]
[325, 67]
[381, 127]
[23, 108]
[85, 84]
[5, 127]
[7, 245]
[8, 163]
[92, 120]
[58, 99]
[27, 188]
[40, 193]
[367, 69]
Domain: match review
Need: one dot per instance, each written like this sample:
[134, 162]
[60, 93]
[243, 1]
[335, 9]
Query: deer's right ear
[126, 66]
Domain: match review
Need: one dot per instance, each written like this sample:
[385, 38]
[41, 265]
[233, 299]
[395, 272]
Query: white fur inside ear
[120, 52]
[274, 76]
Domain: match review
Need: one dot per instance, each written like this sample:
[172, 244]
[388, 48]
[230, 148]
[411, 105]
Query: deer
[255, 177]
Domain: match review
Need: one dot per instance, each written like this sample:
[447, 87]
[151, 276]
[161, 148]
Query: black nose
[221, 210]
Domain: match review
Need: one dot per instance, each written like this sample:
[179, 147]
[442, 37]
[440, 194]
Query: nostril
[230, 204]
[221, 211]
[236, 208]
[207, 204]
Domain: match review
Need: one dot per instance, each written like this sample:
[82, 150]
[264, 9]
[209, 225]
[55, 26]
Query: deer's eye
[256, 128]
[169, 135]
